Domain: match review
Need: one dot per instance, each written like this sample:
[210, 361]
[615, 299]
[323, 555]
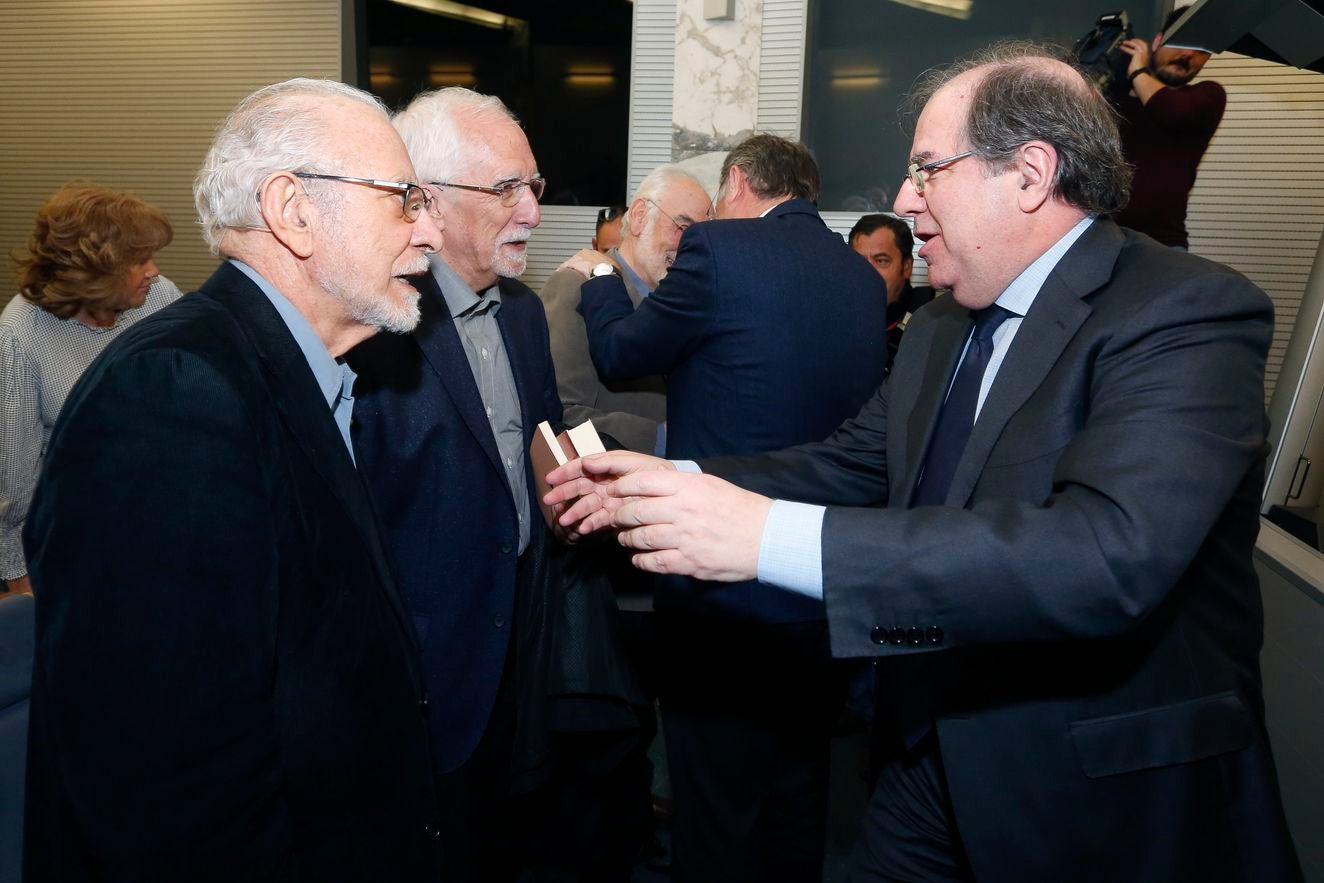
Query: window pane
[864, 55]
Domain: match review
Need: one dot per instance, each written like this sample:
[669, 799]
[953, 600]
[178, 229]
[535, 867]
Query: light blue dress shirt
[335, 379]
[791, 548]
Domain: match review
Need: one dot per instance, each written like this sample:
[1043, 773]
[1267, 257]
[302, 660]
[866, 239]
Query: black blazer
[1085, 600]
[769, 332]
[226, 683]
[426, 448]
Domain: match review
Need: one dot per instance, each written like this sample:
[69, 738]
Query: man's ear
[1036, 167]
[737, 182]
[907, 266]
[1155, 44]
[288, 213]
[638, 212]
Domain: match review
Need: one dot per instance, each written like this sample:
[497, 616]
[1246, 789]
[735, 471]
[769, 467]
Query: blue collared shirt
[335, 379]
[791, 548]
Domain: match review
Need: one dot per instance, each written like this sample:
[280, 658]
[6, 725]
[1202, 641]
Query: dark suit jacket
[427, 450]
[1085, 599]
[226, 686]
[768, 332]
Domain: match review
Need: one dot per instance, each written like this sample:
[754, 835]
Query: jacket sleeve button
[897, 636]
[915, 636]
[933, 634]
[878, 635]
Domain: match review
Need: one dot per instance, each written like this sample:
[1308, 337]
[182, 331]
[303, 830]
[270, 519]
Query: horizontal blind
[564, 230]
[781, 67]
[127, 94]
[652, 80]
[1258, 202]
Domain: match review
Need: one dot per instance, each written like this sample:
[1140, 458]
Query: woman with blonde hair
[89, 272]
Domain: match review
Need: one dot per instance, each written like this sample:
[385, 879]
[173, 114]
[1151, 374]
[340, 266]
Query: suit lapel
[1055, 316]
[439, 340]
[305, 414]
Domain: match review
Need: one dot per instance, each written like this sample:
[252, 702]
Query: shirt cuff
[791, 549]
[687, 466]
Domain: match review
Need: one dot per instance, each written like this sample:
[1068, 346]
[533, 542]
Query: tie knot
[988, 319]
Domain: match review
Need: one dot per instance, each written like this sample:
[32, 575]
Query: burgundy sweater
[1164, 140]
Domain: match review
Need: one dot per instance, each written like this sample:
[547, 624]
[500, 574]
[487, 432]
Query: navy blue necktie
[904, 684]
[957, 417]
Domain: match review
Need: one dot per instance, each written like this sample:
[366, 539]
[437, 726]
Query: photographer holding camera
[1166, 125]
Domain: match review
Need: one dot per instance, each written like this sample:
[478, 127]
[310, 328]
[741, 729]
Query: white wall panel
[652, 73]
[1258, 203]
[781, 67]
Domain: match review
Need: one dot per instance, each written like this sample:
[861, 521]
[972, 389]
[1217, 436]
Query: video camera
[1099, 55]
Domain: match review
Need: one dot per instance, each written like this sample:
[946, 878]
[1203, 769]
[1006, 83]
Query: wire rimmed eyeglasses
[920, 172]
[508, 192]
[414, 200]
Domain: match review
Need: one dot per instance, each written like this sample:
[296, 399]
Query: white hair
[280, 127]
[654, 183]
[439, 132]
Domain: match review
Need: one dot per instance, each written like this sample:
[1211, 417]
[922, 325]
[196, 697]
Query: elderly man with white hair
[442, 434]
[226, 681]
[667, 203]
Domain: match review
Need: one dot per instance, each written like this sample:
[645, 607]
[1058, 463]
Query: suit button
[897, 636]
[915, 636]
[505, 548]
[498, 621]
[431, 830]
[423, 703]
[933, 634]
[878, 635]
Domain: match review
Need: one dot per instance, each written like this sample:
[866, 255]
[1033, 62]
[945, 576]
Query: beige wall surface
[127, 94]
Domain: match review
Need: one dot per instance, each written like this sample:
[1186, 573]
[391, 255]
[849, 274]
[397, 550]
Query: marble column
[715, 101]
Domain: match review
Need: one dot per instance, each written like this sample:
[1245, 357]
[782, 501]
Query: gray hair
[437, 128]
[1025, 97]
[280, 127]
[654, 183]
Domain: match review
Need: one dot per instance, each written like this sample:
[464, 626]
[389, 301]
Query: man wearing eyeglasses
[1041, 528]
[444, 423]
[227, 684]
[767, 328]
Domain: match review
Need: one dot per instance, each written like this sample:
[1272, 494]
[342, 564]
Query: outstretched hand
[583, 487]
[689, 524]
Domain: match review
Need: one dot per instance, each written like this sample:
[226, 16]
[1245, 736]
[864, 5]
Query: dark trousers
[909, 834]
[480, 828]
[747, 711]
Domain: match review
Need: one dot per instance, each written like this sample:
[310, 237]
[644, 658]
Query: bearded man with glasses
[226, 679]
[443, 431]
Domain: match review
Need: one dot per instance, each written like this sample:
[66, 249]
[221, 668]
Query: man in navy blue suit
[766, 326]
[442, 432]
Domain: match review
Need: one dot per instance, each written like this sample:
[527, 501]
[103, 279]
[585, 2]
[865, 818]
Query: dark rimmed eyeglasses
[610, 213]
[920, 172]
[413, 198]
[509, 192]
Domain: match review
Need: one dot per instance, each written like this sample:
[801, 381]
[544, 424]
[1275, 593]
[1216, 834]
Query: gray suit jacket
[627, 410]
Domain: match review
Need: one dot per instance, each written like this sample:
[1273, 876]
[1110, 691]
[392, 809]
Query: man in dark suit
[1060, 593]
[445, 419]
[226, 683]
[766, 326]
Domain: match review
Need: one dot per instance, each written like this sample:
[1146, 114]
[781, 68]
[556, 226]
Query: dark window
[864, 55]
[562, 68]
